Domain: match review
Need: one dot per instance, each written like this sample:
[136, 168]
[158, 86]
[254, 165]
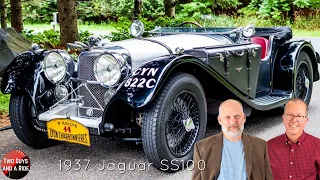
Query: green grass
[4, 102]
[81, 27]
[304, 32]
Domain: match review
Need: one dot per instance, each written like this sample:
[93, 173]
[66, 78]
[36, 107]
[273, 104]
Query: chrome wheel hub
[188, 124]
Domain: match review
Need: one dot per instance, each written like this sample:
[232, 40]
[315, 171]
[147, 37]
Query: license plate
[68, 130]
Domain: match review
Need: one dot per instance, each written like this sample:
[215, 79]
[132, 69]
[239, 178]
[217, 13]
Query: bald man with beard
[231, 154]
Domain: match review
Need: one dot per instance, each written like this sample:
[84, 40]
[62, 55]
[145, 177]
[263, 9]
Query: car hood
[142, 50]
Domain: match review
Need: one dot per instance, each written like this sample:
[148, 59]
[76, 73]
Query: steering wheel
[190, 22]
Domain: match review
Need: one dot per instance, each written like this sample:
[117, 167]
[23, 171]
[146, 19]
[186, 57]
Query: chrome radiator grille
[85, 72]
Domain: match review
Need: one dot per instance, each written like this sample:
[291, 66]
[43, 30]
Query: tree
[169, 7]
[137, 8]
[3, 14]
[68, 21]
[184, 1]
[16, 15]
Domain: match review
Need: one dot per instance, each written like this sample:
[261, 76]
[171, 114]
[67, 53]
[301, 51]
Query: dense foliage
[279, 10]
[198, 7]
[97, 11]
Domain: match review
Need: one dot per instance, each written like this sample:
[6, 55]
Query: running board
[268, 100]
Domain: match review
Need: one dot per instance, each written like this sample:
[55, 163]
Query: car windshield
[190, 29]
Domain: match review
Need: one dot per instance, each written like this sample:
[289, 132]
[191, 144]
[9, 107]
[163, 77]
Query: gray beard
[231, 133]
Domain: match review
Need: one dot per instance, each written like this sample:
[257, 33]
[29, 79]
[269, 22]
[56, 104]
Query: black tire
[155, 123]
[21, 121]
[303, 71]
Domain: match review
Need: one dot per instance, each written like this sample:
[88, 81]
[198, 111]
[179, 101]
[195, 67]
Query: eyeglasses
[299, 118]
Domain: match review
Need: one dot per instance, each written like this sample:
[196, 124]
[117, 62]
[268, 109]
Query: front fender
[21, 74]
[139, 89]
[285, 63]
[146, 81]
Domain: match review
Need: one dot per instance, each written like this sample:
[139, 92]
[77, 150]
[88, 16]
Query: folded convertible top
[282, 33]
[11, 44]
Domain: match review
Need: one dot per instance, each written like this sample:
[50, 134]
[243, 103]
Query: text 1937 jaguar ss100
[156, 90]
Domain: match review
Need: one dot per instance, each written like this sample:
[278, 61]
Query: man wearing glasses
[295, 154]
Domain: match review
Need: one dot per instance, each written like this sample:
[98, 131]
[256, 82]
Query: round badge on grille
[89, 112]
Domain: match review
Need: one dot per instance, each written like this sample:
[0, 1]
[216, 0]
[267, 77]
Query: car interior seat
[264, 43]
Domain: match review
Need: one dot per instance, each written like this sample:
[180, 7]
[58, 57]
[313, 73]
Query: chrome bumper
[71, 111]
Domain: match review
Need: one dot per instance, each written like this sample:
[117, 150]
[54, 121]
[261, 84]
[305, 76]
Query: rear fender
[285, 63]
[318, 57]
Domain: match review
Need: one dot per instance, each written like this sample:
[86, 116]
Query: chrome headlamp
[60, 92]
[54, 67]
[107, 69]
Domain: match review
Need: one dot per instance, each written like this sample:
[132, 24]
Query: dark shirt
[295, 161]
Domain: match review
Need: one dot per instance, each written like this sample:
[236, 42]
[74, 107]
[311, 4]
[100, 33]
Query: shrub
[197, 8]
[4, 102]
[46, 39]
[310, 22]
[151, 9]
[278, 10]
[50, 39]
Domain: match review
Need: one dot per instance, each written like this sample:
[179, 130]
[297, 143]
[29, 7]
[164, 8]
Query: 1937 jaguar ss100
[156, 90]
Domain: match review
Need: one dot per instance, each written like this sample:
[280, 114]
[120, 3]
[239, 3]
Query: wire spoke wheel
[184, 112]
[174, 122]
[302, 82]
